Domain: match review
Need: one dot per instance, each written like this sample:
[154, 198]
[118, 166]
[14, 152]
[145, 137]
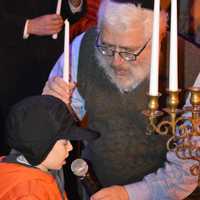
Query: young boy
[38, 131]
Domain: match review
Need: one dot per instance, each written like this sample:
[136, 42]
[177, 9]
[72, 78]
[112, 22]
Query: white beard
[138, 72]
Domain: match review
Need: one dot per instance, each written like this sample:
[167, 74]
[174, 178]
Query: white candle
[66, 53]
[173, 63]
[58, 9]
[153, 88]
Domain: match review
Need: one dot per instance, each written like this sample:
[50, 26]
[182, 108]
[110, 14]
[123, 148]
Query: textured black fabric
[36, 123]
[123, 154]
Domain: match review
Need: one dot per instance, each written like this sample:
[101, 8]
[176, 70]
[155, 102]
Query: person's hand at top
[45, 25]
[57, 87]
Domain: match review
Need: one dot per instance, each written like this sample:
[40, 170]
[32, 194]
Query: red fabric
[89, 20]
[92, 9]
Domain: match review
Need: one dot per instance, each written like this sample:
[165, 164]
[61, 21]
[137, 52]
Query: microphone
[80, 169]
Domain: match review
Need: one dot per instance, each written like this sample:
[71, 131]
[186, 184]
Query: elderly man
[110, 65]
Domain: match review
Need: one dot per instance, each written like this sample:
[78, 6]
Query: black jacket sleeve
[13, 15]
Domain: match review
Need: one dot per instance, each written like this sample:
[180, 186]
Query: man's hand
[111, 193]
[57, 87]
[45, 25]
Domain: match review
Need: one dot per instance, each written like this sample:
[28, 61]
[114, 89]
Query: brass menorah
[183, 125]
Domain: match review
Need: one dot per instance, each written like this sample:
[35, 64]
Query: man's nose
[117, 59]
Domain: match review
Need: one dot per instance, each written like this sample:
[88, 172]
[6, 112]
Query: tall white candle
[58, 9]
[173, 63]
[66, 53]
[153, 88]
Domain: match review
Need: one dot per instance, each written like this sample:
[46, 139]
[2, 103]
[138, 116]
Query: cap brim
[78, 133]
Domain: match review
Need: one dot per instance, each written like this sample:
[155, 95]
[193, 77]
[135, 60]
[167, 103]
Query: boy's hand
[57, 87]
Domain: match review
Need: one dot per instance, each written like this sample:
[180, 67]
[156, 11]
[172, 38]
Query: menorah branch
[182, 125]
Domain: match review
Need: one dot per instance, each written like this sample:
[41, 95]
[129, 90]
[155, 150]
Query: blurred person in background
[27, 50]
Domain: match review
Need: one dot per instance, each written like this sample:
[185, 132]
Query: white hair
[127, 16]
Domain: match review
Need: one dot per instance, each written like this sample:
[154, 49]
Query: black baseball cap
[148, 4]
[35, 124]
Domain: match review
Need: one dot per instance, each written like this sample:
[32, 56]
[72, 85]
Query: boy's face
[58, 154]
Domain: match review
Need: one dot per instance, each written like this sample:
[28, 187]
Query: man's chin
[122, 80]
[123, 85]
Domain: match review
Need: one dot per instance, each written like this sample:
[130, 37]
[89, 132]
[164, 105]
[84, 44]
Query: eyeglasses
[110, 51]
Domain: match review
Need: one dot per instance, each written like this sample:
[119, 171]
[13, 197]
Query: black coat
[13, 15]
[26, 63]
